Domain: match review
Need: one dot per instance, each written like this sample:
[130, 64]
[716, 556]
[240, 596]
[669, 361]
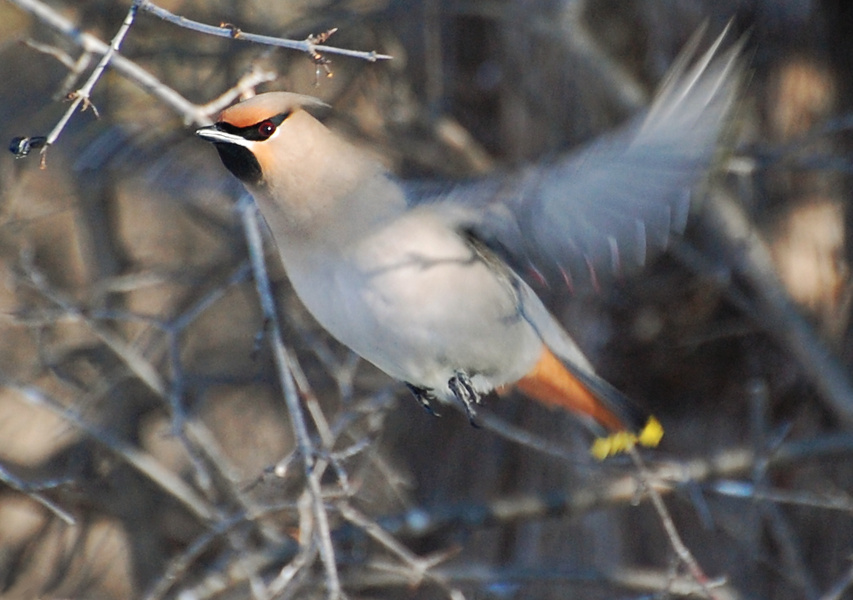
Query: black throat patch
[241, 162]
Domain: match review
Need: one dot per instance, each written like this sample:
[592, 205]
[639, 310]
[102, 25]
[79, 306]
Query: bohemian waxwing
[426, 282]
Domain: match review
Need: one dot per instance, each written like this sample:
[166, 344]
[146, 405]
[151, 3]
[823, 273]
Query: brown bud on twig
[233, 29]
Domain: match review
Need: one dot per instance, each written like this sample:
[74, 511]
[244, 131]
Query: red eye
[266, 129]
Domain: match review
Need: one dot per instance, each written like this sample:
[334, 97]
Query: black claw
[425, 397]
[461, 386]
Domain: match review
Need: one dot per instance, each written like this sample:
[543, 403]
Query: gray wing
[607, 208]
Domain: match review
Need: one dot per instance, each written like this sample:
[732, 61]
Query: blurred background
[146, 450]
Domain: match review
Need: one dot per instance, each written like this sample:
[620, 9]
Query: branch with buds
[289, 373]
[313, 45]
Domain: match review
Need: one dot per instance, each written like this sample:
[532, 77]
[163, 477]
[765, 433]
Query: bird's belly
[423, 311]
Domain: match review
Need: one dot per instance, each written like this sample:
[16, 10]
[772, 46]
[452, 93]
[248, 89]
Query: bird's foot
[425, 397]
[461, 386]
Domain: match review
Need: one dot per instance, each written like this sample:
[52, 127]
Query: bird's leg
[461, 386]
[424, 396]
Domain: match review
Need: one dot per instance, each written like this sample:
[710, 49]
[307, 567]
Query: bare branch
[308, 45]
[664, 476]
[644, 580]
[842, 585]
[140, 460]
[283, 361]
[418, 567]
[249, 81]
[678, 545]
[83, 95]
[58, 54]
[190, 113]
[750, 257]
[33, 490]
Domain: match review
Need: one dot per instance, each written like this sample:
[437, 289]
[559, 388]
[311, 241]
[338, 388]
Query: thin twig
[750, 258]
[747, 491]
[254, 77]
[132, 358]
[191, 113]
[60, 55]
[33, 490]
[180, 564]
[665, 477]
[678, 545]
[650, 583]
[140, 460]
[83, 95]
[418, 565]
[283, 361]
[837, 591]
[776, 523]
[232, 32]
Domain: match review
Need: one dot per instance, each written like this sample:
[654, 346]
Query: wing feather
[614, 204]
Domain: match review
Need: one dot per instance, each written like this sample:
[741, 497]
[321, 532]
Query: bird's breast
[414, 298]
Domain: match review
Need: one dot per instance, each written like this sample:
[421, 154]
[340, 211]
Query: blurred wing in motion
[605, 209]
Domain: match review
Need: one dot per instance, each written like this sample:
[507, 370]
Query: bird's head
[264, 134]
[307, 179]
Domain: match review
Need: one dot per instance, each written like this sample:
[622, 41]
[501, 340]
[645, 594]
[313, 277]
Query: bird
[433, 283]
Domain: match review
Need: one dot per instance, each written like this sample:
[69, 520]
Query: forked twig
[312, 45]
[191, 113]
[83, 95]
[678, 545]
[33, 491]
[283, 361]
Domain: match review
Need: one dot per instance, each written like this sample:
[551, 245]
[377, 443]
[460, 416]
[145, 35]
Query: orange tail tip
[551, 383]
[554, 383]
[622, 441]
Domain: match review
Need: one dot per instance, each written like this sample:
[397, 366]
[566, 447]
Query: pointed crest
[265, 106]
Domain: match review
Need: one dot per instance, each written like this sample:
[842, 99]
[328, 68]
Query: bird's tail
[559, 383]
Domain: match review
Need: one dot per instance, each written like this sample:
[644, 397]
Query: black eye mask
[257, 132]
